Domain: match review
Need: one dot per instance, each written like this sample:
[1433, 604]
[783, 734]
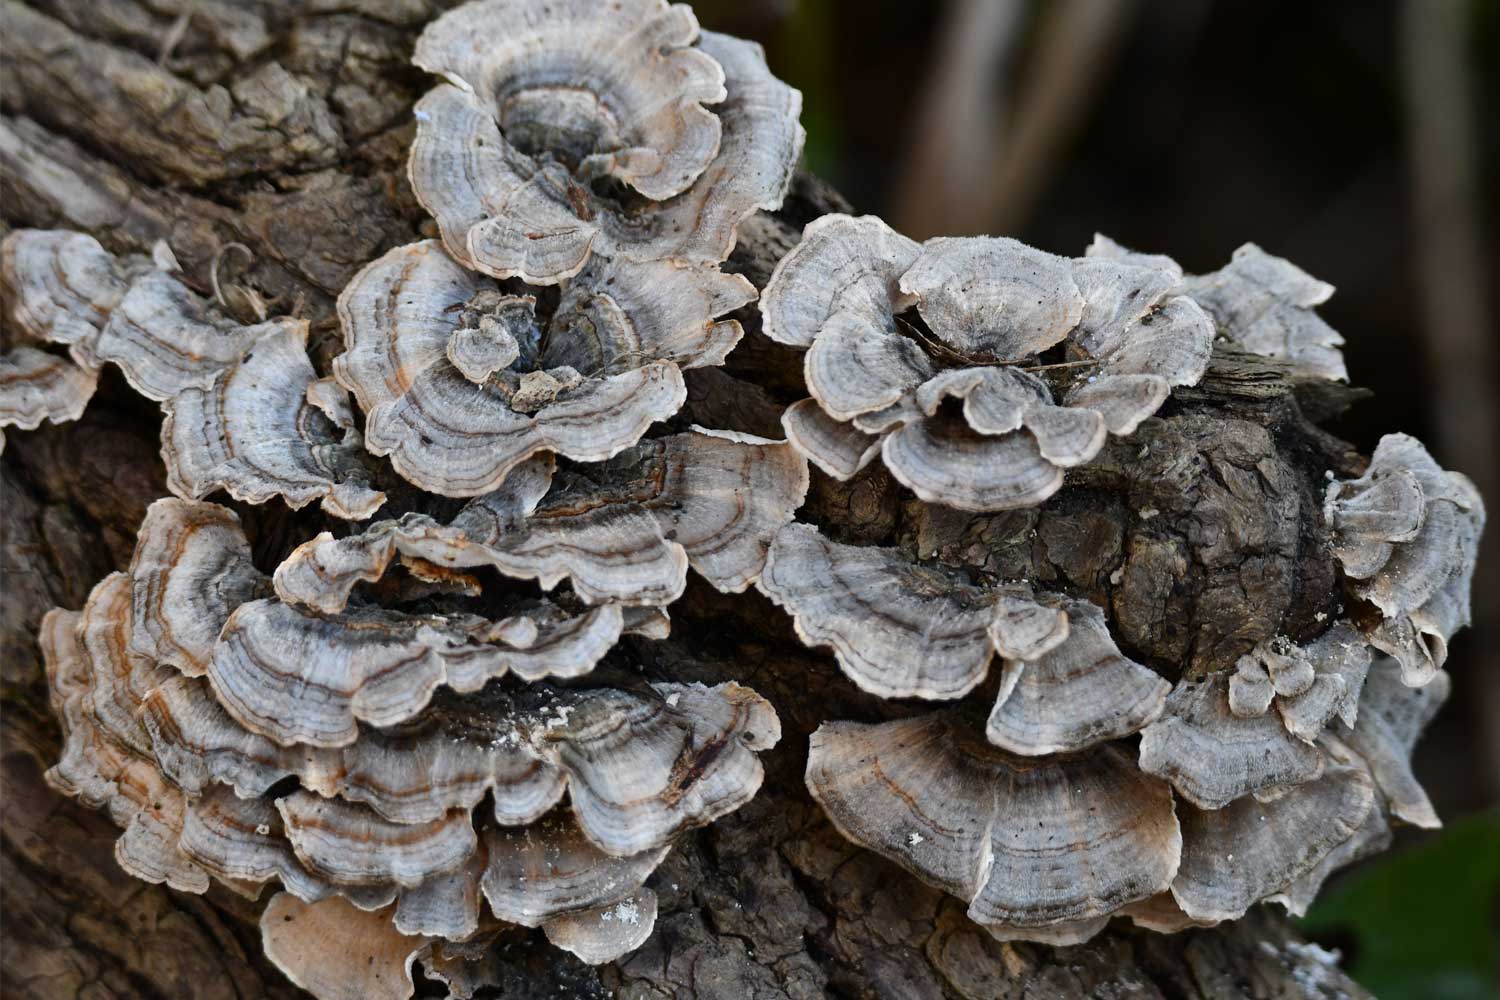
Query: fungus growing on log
[398, 722]
[1011, 375]
[1407, 534]
[443, 708]
[568, 132]
[982, 368]
[405, 798]
[585, 382]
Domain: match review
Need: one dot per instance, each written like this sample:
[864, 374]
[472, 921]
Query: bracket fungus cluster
[231, 735]
[407, 722]
[978, 369]
[428, 710]
[1077, 782]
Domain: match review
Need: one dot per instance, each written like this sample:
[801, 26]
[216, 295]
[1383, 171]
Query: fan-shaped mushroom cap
[503, 157]
[943, 461]
[1416, 574]
[634, 105]
[1309, 685]
[64, 285]
[336, 951]
[899, 630]
[993, 296]
[641, 768]
[843, 265]
[839, 449]
[989, 303]
[103, 773]
[548, 869]
[853, 368]
[351, 844]
[1264, 304]
[448, 435]
[622, 532]
[1391, 717]
[190, 570]
[36, 386]
[1030, 843]
[266, 426]
[1023, 628]
[242, 840]
[165, 338]
[1340, 659]
[1079, 693]
[1212, 756]
[607, 932]
[1373, 836]
[379, 667]
[1247, 850]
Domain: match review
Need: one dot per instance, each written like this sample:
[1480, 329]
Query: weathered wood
[283, 127]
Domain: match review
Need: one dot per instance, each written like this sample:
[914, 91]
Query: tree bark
[283, 126]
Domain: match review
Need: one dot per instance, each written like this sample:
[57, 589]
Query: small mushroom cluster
[978, 369]
[436, 726]
[427, 727]
[360, 759]
[608, 149]
[245, 412]
[1095, 786]
[1407, 534]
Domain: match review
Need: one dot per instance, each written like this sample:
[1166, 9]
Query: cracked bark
[283, 126]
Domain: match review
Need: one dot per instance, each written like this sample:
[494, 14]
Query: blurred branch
[959, 117]
[1441, 126]
[969, 173]
[1074, 50]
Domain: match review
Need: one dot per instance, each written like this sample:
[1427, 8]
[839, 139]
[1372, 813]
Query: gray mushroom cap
[1082, 692]
[899, 628]
[1250, 849]
[988, 306]
[1212, 756]
[503, 158]
[1391, 717]
[37, 387]
[635, 108]
[587, 384]
[1048, 845]
[1407, 535]
[624, 532]
[1265, 304]
[266, 426]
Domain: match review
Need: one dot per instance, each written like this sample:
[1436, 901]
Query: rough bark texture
[283, 126]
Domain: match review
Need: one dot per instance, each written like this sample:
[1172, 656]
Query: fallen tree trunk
[283, 127]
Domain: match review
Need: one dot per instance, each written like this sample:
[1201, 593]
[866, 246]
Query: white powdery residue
[915, 838]
[673, 699]
[627, 913]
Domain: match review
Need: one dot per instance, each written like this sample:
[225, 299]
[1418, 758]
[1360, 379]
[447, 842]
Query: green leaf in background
[1422, 923]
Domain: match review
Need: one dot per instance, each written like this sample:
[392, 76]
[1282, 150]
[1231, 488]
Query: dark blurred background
[1360, 139]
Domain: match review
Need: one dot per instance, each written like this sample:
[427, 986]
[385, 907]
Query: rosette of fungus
[978, 369]
[1262, 304]
[434, 726]
[245, 411]
[1110, 765]
[587, 128]
[1406, 534]
[462, 378]
[413, 747]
